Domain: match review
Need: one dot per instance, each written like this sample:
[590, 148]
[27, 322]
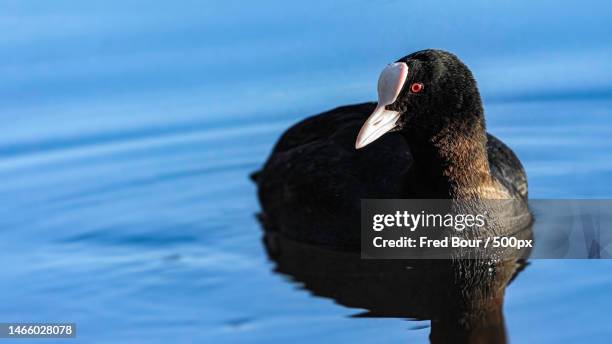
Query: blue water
[129, 129]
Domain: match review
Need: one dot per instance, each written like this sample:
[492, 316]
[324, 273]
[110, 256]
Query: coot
[425, 138]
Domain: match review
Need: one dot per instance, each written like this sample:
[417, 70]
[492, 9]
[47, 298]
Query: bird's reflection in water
[462, 298]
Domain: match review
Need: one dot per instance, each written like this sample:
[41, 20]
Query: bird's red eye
[416, 87]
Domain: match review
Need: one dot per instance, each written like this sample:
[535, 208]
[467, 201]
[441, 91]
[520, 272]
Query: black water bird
[425, 138]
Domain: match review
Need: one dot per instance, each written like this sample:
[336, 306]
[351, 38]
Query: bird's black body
[311, 185]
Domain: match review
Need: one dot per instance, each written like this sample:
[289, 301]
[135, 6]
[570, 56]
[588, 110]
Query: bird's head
[422, 94]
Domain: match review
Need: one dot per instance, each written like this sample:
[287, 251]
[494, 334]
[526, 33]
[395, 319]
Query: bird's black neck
[452, 163]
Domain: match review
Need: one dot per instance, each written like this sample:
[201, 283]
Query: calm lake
[130, 128]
